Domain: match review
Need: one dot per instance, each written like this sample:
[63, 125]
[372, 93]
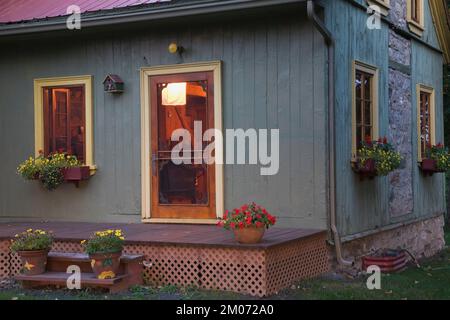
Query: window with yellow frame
[384, 5]
[63, 117]
[426, 133]
[415, 16]
[364, 104]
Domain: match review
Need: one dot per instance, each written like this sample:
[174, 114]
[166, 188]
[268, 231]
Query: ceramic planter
[249, 235]
[368, 170]
[429, 167]
[33, 262]
[105, 265]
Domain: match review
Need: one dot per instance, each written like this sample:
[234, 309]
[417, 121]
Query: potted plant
[376, 158]
[32, 246]
[105, 249]
[248, 223]
[437, 159]
[54, 169]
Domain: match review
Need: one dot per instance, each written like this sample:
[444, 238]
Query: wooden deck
[163, 234]
[204, 256]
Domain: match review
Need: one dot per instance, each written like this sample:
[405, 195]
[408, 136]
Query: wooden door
[187, 190]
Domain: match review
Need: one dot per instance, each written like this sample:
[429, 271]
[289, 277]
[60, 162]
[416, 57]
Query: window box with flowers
[436, 160]
[376, 158]
[54, 169]
[248, 223]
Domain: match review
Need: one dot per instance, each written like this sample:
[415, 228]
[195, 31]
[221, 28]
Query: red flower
[241, 225]
[248, 220]
[244, 207]
[220, 223]
[259, 224]
[258, 217]
[232, 225]
[225, 215]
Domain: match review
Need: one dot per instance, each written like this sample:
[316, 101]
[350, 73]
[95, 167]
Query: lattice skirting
[257, 272]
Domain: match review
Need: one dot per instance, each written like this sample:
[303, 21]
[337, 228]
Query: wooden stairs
[130, 274]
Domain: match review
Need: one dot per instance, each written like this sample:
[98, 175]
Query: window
[63, 116]
[415, 16]
[365, 104]
[425, 119]
[64, 121]
[384, 5]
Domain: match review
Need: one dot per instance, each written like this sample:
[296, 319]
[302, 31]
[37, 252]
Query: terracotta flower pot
[33, 262]
[249, 235]
[105, 265]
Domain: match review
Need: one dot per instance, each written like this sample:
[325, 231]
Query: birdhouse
[113, 84]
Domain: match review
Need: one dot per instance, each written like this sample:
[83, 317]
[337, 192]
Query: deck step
[130, 272]
[81, 257]
[60, 278]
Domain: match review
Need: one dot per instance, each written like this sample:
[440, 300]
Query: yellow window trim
[423, 88]
[414, 27]
[41, 83]
[384, 5]
[146, 72]
[364, 67]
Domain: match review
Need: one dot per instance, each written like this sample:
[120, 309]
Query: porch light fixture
[175, 48]
[174, 94]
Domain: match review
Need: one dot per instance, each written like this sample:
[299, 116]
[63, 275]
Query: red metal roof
[23, 10]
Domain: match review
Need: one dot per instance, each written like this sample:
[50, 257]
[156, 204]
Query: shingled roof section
[14, 11]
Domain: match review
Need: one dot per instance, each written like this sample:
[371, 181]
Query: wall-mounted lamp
[175, 48]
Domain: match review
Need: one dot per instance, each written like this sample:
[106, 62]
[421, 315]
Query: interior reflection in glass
[179, 105]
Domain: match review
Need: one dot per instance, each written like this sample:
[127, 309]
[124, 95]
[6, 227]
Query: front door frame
[146, 73]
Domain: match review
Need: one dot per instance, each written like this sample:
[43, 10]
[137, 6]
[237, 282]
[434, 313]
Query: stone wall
[398, 12]
[401, 198]
[423, 239]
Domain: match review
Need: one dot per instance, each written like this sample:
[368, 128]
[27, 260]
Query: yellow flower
[121, 238]
[29, 230]
[83, 242]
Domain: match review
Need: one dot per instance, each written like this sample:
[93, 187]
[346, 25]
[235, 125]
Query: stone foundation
[422, 239]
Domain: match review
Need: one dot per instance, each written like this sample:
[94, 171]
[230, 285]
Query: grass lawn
[431, 281]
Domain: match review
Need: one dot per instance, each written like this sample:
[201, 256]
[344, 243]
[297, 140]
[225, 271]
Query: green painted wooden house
[327, 74]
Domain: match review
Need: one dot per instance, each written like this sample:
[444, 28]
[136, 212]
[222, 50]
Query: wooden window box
[367, 170]
[429, 167]
[76, 174]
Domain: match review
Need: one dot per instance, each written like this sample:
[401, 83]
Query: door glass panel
[179, 106]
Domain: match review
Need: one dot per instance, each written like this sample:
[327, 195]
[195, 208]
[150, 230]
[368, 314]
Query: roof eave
[106, 18]
[441, 21]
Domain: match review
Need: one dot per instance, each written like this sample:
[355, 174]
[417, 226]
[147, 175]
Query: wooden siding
[429, 191]
[273, 77]
[363, 205]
